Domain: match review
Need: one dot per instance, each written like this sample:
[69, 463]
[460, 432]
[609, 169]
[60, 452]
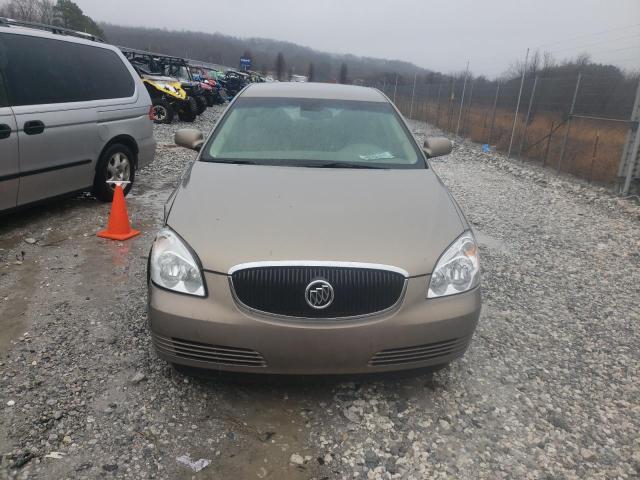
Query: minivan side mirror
[189, 138]
[437, 146]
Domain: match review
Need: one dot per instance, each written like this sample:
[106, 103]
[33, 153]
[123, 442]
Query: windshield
[313, 132]
[179, 72]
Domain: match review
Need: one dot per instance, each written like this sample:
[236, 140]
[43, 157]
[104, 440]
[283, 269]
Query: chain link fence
[579, 124]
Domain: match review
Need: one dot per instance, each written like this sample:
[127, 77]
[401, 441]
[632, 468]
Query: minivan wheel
[116, 163]
[188, 110]
[161, 111]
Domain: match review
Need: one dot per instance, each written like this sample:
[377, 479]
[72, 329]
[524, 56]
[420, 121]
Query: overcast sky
[440, 35]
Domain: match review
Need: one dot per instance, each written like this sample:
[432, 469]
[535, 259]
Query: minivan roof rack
[10, 22]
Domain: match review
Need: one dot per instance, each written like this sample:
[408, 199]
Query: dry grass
[579, 159]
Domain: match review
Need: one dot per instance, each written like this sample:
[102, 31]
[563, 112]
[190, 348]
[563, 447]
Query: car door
[9, 161]
[56, 122]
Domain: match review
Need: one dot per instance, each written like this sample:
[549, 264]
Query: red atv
[215, 94]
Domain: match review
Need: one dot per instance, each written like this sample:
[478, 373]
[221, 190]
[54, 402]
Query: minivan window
[44, 71]
[4, 101]
[313, 132]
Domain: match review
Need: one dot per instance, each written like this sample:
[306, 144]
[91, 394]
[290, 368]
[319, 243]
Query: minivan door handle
[5, 131]
[34, 127]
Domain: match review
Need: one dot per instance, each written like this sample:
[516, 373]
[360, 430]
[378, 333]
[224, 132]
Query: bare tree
[311, 75]
[26, 10]
[47, 11]
[548, 62]
[280, 66]
[533, 66]
[342, 78]
[582, 59]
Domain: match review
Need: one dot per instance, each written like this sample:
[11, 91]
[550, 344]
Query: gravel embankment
[549, 389]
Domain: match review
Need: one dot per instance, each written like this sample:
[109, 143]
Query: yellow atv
[167, 94]
[168, 98]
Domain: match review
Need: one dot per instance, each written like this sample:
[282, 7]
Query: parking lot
[549, 388]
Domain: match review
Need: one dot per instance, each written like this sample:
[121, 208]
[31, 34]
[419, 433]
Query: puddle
[17, 284]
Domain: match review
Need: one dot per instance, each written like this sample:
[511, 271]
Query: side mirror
[437, 146]
[189, 138]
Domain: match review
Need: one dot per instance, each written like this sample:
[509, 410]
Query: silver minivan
[73, 115]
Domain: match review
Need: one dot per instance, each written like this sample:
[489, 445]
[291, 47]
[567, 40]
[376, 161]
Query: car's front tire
[117, 162]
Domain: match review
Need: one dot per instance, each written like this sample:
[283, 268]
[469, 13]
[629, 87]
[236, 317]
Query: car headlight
[458, 269]
[173, 266]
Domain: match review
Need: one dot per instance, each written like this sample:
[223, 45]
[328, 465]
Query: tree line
[607, 89]
[267, 55]
[61, 13]
[604, 90]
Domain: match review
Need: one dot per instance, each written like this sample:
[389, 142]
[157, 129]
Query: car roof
[328, 91]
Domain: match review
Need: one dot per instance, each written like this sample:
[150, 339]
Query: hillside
[227, 50]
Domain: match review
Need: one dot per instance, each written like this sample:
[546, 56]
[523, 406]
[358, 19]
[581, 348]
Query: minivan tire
[164, 107]
[189, 110]
[109, 156]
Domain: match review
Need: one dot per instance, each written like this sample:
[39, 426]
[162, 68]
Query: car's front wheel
[117, 163]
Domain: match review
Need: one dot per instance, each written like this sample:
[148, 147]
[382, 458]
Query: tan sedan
[311, 236]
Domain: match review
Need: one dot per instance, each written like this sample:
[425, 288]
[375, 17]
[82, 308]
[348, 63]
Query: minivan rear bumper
[216, 333]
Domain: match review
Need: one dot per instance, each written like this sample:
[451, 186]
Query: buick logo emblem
[319, 294]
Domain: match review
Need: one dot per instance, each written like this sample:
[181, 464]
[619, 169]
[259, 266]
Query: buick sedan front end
[311, 236]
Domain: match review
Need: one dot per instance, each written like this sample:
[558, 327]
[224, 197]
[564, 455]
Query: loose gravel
[549, 389]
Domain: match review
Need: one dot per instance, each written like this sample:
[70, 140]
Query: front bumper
[216, 333]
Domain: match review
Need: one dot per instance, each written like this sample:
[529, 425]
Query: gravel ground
[550, 387]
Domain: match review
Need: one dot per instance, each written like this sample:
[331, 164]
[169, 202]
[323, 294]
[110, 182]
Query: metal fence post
[566, 133]
[468, 113]
[493, 114]
[426, 103]
[593, 155]
[413, 94]
[395, 89]
[464, 87]
[515, 116]
[631, 152]
[526, 121]
[438, 107]
[546, 150]
[451, 99]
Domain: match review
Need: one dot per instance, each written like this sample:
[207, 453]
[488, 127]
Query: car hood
[232, 214]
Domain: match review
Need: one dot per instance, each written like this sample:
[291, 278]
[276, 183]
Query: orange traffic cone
[118, 228]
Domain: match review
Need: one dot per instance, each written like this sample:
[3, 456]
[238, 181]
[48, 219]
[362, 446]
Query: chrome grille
[280, 290]
[419, 353]
[204, 352]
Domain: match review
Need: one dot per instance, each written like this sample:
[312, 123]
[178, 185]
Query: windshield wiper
[345, 165]
[234, 162]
